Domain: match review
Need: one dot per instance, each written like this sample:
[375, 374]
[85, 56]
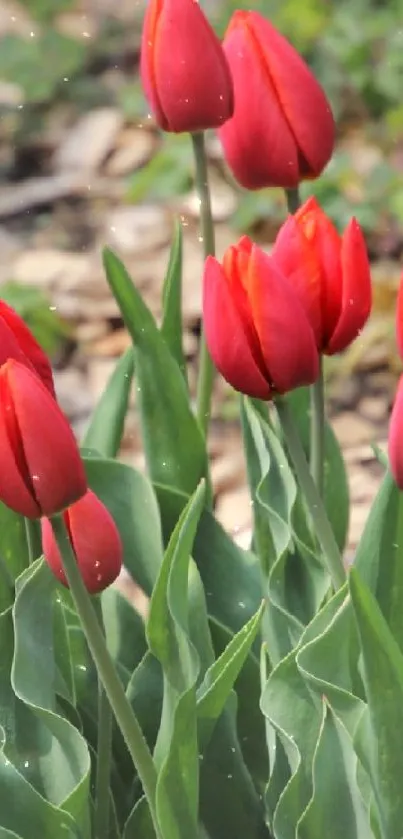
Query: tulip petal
[226, 337]
[258, 121]
[286, 337]
[191, 73]
[396, 437]
[95, 540]
[28, 345]
[54, 468]
[14, 492]
[357, 292]
[301, 97]
[299, 262]
[399, 318]
[147, 72]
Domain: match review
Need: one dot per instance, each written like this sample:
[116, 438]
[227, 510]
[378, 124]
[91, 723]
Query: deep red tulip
[17, 341]
[396, 437]
[41, 471]
[282, 131]
[330, 273]
[184, 72]
[95, 540]
[258, 334]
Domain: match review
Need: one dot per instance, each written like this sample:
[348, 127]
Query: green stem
[317, 444]
[206, 367]
[30, 534]
[293, 199]
[315, 505]
[123, 712]
[104, 754]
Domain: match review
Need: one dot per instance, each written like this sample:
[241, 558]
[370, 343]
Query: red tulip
[184, 72]
[95, 540]
[330, 273]
[257, 332]
[17, 341]
[282, 131]
[396, 437]
[41, 471]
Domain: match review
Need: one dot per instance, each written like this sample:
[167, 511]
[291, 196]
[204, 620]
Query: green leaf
[13, 541]
[60, 754]
[139, 825]
[124, 631]
[172, 327]
[231, 576]
[378, 557]
[176, 752]
[336, 808]
[173, 443]
[383, 678]
[144, 692]
[297, 582]
[105, 431]
[129, 497]
[336, 493]
[220, 678]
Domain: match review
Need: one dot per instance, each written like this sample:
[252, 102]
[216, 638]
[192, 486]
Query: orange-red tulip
[17, 341]
[95, 540]
[257, 331]
[41, 471]
[282, 130]
[184, 71]
[330, 273]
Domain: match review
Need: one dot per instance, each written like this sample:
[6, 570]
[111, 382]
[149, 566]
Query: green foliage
[34, 308]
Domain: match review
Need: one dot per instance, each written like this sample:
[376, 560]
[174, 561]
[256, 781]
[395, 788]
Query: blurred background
[81, 165]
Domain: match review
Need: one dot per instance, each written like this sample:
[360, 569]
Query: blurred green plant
[33, 306]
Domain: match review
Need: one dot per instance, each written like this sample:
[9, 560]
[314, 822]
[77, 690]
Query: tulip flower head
[257, 331]
[282, 130]
[330, 273]
[18, 342]
[41, 471]
[184, 71]
[95, 540]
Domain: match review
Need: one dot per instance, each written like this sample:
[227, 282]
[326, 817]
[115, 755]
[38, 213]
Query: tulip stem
[206, 367]
[104, 753]
[317, 443]
[293, 199]
[314, 502]
[30, 540]
[123, 712]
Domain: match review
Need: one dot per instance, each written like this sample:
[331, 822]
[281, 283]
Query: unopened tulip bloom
[95, 540]
[330, 273]
[184, 72]
[396, 437]
[257, 331]
[18, 342]
[41, 471]
[282, 131]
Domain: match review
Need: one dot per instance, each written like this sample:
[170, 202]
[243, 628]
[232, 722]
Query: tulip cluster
[312, 295]
[272, 116]
[41, 471]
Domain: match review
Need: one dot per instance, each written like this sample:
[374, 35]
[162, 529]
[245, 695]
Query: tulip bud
[329, 272]
[41, 471]
[95, 540]
[184, 72]
[396, 437]
[257, 332]
[17, 341]
[282, 130]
